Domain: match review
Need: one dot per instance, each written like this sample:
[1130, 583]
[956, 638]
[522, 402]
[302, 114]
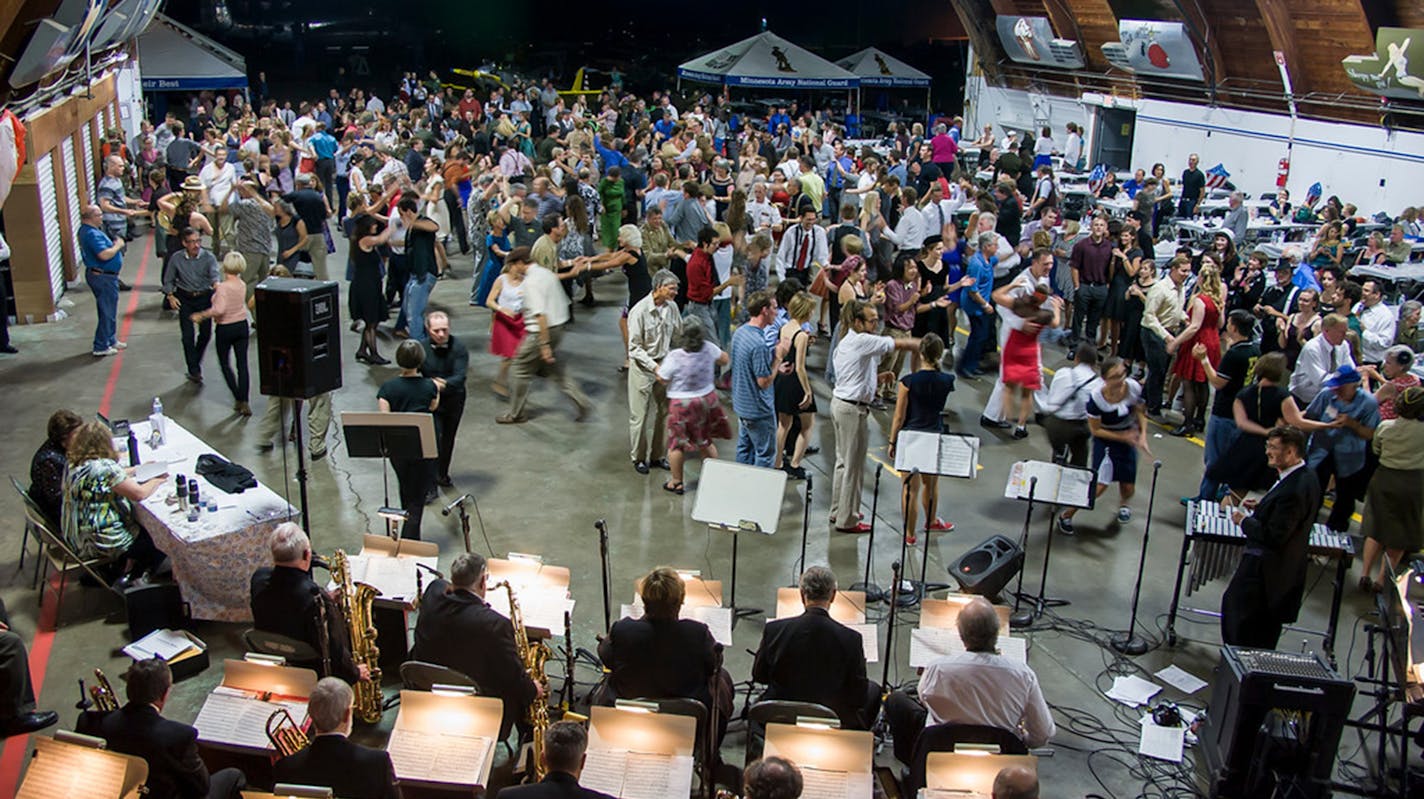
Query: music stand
[930, 455]
[1042, 481]
[386, 436]
[61, 768]
[843, 758]
[970, 772]
[737, 498]
[637, 742]
[444, 740]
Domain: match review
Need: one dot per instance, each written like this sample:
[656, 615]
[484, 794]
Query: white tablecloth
[215, 556]
[1410, 271]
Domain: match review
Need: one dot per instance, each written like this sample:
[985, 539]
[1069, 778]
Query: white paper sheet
[1132, 690]
[637, 775]
[717, 619]
[62, 773]
[827, 784]
[434, 757]
[236, 718]
[869, 641]
[1056, 484]
[928, 644]
[1163, 743]
[945, 793]
[166, 644]
[542, 609]
[1182, 680]
[931, 453]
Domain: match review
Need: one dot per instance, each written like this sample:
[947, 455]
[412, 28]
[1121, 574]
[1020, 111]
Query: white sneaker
[102, 353]
[121, 345]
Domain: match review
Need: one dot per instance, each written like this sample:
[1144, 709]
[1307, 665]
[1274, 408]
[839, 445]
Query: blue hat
[1342, 376]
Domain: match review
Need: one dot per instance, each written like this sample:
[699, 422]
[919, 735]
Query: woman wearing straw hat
[1394, 504]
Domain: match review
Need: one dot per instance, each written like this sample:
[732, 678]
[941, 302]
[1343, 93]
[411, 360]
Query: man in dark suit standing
[458, 629]
[1266, 592]
[564, 746]
[814, 658]
[169, 747]
[350, 770]
[287, 601]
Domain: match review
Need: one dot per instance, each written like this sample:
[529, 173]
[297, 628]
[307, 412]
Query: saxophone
[355, 600]
[532, 655]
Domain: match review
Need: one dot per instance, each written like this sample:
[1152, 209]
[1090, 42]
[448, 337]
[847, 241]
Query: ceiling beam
[1199, 28]
[1276, 16]
[977, 16]
[1064, 23]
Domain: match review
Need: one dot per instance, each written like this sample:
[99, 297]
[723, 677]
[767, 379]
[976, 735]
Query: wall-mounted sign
[1030, 40]
[1395, 69]
[1154, 47]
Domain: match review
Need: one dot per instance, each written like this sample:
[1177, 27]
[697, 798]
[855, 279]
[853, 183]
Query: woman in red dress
[1204, 327]
[1020, 368]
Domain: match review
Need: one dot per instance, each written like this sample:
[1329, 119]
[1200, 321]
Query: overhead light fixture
[817, 723]
[524, 557]
[441, 689]
[635, 705]
[393, 514]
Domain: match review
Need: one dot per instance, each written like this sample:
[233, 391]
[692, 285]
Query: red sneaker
[941, 526]
[860, 527]
[910, 539]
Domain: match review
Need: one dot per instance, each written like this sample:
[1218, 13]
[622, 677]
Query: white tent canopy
[876, 68]
[174, 57]
[767, 61]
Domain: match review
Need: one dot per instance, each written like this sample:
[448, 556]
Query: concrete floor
[542, 485]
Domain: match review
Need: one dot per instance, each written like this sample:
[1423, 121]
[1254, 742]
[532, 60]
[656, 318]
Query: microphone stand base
[1021, 619]
[873, 592]
[1128, 644]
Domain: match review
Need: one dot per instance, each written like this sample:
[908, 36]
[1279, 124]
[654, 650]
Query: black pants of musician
[17, 694]
[231, 342]
[906, 717]
[196, 335]
[416, 477]
[1250, 616]
[326, 173]
[226, 783]
[1070, 438]
[1348, 491]
[447, 424]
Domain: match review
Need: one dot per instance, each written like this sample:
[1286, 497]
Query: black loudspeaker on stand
[298, 350]
[1129, 643]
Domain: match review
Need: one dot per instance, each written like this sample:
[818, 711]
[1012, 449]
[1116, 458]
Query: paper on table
[1182, 680]
[166, 644]
[928, 644]
[1163, 743]
[150, 469]
[436, 757]
[1132, 690]
[52, 774]
[240, 720]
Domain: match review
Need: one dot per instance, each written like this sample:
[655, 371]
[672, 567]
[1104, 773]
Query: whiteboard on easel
[1057, 485]
[943, 454]
[737, 496]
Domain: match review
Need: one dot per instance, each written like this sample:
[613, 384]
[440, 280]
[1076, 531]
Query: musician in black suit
[1266, 591]
[814, 658]
[350, 770]
[564, 746]
[287, 601]
[457, 629]
[18, 715]
[169, 747]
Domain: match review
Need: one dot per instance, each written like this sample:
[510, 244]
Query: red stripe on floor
[13, 754]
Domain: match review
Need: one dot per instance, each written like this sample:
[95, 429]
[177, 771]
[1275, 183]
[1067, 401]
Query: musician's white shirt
[983, 688]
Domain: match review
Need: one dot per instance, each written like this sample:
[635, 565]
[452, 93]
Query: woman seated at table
[98, 516]
[50, 460]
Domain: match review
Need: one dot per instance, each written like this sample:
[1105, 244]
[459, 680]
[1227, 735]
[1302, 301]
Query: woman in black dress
[1130, 342]
[919, 401]
[367, 300]
[792, 389]
[1259, 407]
[1126, 261]
[410, 392]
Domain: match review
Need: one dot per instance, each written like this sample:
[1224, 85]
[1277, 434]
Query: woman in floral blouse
[98, 511]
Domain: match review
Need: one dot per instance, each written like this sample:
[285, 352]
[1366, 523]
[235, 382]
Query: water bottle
[157, 406]
[133, 448]
[182, 493]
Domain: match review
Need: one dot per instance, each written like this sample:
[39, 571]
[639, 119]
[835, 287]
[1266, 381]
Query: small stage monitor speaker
[988, 567]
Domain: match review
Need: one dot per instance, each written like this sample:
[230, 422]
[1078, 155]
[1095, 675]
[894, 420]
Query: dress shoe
[376, 360]
[243, 409]
[431, 496]
[1183, 430]
[985, 421]
[641, 467]
[509, 419]
[444, 481]
[661, 463]
[795, 472]
[194, 378]
[813, 450]
[30, 722]
[8, 349]
[124, 286]
[1020, 432]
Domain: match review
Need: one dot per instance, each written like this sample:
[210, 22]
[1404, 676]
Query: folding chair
[704, 748]
[778, 711]
[944, 737]
[25, 541]
[61, 559]
[296, 653]
[417, 675]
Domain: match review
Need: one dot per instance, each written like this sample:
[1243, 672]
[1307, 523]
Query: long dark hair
[574, 208]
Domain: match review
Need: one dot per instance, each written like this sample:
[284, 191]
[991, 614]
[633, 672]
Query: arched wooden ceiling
[1235, 40]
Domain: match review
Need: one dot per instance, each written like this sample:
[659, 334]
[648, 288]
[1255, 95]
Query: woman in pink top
[229, 313]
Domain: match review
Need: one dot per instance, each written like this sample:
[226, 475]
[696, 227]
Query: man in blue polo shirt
[324, 147]
[103, 258]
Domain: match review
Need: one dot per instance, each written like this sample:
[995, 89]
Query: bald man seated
[979, 686]
[1016, 782]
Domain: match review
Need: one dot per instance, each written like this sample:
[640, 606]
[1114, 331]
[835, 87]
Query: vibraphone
[1211, 548]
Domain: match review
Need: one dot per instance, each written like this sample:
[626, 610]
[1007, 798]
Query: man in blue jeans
[421, 260]
[977, 305]
[753, 370]
[103, 258]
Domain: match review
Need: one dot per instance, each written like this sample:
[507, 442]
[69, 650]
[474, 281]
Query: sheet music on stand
[635, 755]
[445, 739]
[835, 764]
[235, 714]
[718, 619]
[943, 454]
[65, 769]
[928, 644]
[1057, 485]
